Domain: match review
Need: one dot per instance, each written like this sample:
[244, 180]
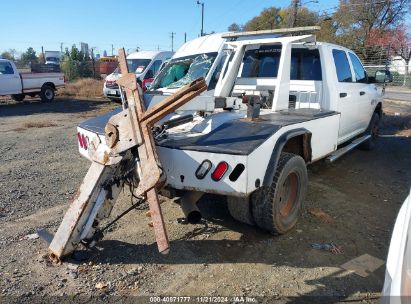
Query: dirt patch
[405, 133]
[41, 171]
[29, 125]
[86, 87]
[20, 129]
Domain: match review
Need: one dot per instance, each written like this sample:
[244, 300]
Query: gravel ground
[40, 170]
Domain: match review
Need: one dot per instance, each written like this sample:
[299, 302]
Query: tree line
[364, 26]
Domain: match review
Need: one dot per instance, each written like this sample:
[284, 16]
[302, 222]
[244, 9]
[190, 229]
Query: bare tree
[235, 27]
[356, 19]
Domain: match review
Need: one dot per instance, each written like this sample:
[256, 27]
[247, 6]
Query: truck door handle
[362, 93]
[342, 95]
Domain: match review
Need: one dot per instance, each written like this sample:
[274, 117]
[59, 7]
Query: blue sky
[123, 23]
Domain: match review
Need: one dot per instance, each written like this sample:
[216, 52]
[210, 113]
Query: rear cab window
[305, 64]
[262, 62]
[342, 66]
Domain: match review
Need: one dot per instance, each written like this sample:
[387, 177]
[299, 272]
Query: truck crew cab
[275, 103]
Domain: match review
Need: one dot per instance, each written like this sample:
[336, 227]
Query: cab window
[261, 62]
[360, 73]
[6, 68]
[305, 65]
[342, 66]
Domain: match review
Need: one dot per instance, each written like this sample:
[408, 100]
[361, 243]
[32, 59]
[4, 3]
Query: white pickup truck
[18, 85]
[273, 106]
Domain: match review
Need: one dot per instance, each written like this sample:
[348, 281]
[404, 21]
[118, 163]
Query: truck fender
[278, 148]
[50, 84]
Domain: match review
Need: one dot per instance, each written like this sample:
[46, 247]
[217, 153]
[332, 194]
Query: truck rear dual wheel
[18, 97]
[275, 208]
[47, 93]
[240, 209]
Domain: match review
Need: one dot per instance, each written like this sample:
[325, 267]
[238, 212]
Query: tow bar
[129, 147]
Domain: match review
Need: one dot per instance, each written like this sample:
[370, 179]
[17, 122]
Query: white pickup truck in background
[18, 85]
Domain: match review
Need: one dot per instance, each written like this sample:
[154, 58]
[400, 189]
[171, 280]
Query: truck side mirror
[382, 76]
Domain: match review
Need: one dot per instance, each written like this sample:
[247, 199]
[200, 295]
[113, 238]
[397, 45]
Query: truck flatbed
[236, 137]
[243, 136]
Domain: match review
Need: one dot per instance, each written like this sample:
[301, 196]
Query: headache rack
[294, 31]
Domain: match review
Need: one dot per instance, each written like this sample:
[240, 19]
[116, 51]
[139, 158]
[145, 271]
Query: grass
[85, 87]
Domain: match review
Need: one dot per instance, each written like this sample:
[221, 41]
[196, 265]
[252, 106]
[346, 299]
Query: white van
[145, 64]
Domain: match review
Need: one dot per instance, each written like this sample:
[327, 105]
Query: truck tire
[373, 129]
[18, 97]
[276, 208]
[240, 209]
[47, 93]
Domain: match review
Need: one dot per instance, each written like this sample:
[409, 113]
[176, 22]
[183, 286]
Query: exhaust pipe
[188, 203]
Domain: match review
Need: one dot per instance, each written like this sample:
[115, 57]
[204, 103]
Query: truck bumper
[111, 93]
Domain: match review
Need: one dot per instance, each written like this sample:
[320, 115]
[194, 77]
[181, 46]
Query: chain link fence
[383, 58]
[97, 69]
[73, 69]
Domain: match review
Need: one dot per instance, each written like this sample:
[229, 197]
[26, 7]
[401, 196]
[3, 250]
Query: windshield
[55, 59]
[137, 65]
[181, 71]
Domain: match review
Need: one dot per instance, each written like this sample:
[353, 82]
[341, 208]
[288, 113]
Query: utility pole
[172, 34]
[185, 37]
[294, 11]
[61, 47]
[92, 60]
[42, 52]
[202, 17]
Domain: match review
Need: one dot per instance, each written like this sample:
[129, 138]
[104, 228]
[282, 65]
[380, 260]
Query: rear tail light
[203, 169]
[219, 171]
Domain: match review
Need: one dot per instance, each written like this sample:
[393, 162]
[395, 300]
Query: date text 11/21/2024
[202, 299]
